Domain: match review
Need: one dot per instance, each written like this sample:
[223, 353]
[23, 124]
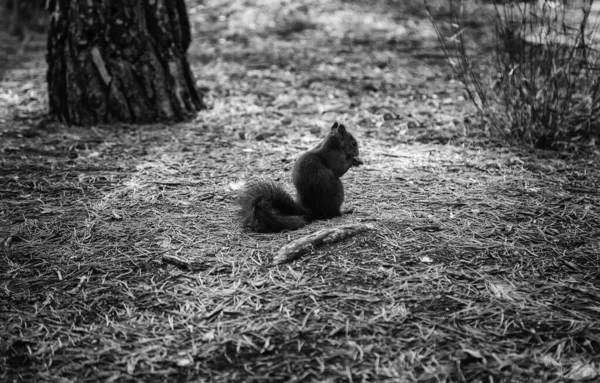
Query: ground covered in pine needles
[484, 265]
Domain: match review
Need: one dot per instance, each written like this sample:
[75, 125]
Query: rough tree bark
[120, 61]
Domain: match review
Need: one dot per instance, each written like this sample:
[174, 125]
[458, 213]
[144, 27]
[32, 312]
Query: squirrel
[266, 207]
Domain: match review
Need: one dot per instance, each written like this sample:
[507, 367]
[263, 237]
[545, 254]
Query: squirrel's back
[319, 190]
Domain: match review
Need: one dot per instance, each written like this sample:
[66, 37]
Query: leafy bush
[544, 84]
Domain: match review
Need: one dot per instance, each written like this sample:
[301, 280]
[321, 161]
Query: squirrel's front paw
[356, 161]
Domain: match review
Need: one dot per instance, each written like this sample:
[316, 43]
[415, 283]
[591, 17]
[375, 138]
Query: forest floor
[484, 264]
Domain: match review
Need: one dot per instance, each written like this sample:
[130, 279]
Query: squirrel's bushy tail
[267, 207]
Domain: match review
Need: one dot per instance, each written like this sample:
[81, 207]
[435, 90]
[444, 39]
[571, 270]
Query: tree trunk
[120, 61]
[13, 25]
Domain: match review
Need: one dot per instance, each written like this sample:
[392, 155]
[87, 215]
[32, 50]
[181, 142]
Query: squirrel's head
[347, 142]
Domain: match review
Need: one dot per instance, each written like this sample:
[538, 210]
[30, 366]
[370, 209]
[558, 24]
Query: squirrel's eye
[354, 144]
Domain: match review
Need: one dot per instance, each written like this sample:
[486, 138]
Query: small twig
[296, 249]
[182, 263]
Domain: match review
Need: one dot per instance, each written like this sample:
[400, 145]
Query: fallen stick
[182, 263]
[297, 248]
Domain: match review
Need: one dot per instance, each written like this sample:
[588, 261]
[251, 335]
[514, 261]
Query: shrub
[542, 84]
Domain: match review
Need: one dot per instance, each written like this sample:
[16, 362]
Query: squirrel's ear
[341, 129]
[334, 127]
